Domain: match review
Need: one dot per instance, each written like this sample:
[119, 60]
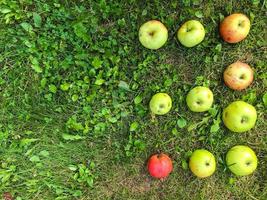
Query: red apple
[159, 165]
[235, 28]
[238, 76]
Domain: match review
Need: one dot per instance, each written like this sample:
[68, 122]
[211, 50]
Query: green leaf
[5, 177]
[138, 99]
[90, 181]
[66, 136]
[52, 88]
[35, 158]
[74, 97]
[255, 2]
[218, 47]
[168, 82]
[215, 127]
[123, 85]
[37, 68]
[184, 164]
[26, 26]
[181, 122]
[64, 86]
[99, 81]
[174, 131]
[213, 111]
[92, 165]
[112, 119]
[199, 14]
[44, 153]
[81, 31]
[196, 2]
[121, 22]
[134, 126]
[43, 82]
[140, 145]
[97, 62]
[231, 181]
[35, 65]
[250, 97]
[37, 20]
[73, 167]
[144, 12]
[27, 141]
[5, 10]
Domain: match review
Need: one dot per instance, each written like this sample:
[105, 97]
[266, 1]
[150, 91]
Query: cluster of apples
[240, 159]
[238, 116]
[234, 28]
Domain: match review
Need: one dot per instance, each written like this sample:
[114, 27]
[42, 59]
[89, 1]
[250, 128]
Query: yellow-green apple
[234, 28]
[241, 160]
[202, 163]
[238, 76]
[153, 34]
[199, 99]
[239, 116]
[191, 33]
[160, 103]
[159, 165]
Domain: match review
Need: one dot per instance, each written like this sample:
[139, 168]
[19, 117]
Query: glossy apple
[241, 160]
[202, 163]
[153, 34]
[159, 165]
[199, 99]
[160, 103]
[191, 33]
[238, 76]
[235, 28]
[239, 116]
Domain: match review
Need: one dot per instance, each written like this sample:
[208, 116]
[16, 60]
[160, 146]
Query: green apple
[239, 116]
[160, 103]
[199, 99]
[153, 34]
[202, 163]
[241, 160]
[191, 33]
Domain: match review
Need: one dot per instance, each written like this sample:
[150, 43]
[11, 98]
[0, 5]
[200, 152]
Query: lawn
[75, 88]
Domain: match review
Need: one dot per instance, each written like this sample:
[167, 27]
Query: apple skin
[191, 33]
[238, 76]
[235, 28]
[160, 103]
[153, 34]
[202, 163]
[241, 160]
[159, 165]
[199, 99]
[239, 116]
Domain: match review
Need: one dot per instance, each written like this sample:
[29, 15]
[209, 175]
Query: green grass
[74, 78]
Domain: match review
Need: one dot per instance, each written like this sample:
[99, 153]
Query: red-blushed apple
[202, 163]
[239, 116]
[238, 76]
[241, 160]
[153, 34]
[159, 165]
[234, 28]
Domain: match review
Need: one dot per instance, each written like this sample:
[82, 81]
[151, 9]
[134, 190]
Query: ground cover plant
[74, 105]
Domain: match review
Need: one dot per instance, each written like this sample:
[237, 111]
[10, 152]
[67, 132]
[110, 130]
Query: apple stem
[153, 117]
